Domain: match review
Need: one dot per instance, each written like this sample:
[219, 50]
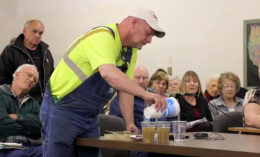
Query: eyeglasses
[160, 83]
[231, 86]
[30, 75]
[141, 77]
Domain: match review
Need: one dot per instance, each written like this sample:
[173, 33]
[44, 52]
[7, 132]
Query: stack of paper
[120, 135]
[12, 146]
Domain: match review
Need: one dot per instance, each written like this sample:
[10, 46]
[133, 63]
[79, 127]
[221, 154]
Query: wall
[203, 35]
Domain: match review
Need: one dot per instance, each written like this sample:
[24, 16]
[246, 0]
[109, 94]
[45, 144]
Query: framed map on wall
[251, 53]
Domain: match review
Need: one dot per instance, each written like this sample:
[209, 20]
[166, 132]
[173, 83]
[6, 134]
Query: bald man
[141, 78]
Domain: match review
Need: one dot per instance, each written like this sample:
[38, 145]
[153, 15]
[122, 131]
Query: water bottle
[172, 110]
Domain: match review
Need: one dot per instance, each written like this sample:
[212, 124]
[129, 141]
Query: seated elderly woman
[174, 85]
[158, 83]
[251, 107]
[228, 85]
[211, 91]
[194, 107]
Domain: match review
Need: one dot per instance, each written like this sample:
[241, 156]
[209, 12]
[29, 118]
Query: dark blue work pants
[73, 116]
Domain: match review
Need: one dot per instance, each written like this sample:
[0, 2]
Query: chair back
[112, 123]
[222, 122]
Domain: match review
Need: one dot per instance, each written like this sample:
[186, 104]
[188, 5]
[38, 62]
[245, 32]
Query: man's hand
[132, 128]
[13, 116]
[160, 102]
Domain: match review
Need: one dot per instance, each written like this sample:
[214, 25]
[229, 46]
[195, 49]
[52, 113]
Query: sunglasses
[126, 58]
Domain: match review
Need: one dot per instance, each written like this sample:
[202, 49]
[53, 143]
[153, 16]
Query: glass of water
[179, 130]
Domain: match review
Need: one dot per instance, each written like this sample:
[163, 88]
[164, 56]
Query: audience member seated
[194, 107]
[141, 77]
[158, 83]
[19, 118]
[251, 107]
[211, 91]
[228, 85]
[174, 85]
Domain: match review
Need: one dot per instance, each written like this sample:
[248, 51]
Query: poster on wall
[251, 53]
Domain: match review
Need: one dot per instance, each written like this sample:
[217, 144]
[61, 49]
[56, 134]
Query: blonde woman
[193, 104]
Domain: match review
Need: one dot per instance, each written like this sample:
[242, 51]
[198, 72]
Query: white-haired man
[19, 118]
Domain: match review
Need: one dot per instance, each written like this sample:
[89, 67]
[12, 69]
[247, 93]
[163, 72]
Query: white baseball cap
[150, 17]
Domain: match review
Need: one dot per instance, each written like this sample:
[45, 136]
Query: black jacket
[15, 54]
[187, 113]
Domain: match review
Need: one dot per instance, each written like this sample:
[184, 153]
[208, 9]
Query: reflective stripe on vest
[81, 75]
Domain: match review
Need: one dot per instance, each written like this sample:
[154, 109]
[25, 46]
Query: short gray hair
[21, 67]
[27, 23]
